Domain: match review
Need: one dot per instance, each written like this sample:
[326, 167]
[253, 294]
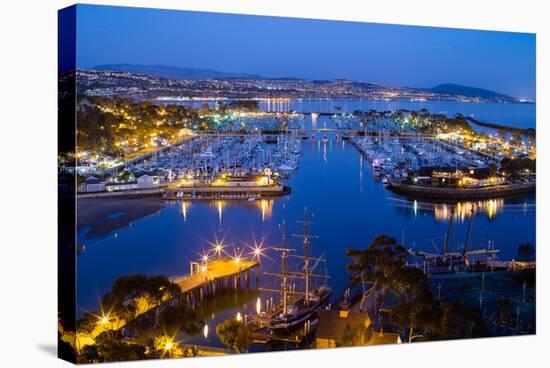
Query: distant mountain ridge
[183, 73]
[460, 90]
[174, 72]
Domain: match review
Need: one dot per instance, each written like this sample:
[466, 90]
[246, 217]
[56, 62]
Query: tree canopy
[234, 334]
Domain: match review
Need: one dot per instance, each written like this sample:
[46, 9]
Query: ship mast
[284, 275]
[447, 236]
[306, 236]
[465, 250]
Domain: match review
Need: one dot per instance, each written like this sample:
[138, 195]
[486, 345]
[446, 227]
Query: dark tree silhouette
[460, 322]
[234, 334]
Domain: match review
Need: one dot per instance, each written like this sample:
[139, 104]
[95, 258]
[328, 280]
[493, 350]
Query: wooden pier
[213, 192]
[223, 273]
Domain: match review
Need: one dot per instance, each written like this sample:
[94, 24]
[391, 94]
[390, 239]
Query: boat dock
[212, 192]
[490, 192]
[266, 338]
[213, 275]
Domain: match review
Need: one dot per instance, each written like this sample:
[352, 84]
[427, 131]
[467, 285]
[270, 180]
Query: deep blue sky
[313, 49]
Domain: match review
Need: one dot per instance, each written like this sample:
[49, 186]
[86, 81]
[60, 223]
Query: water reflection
[220, 211]
[461, 211]
[214, 310]
[184, 206]
[266, 206]
[276, 104]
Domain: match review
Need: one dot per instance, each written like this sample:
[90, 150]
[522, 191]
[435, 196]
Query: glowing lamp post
[104, 320]
[218, 248]
[168, 345]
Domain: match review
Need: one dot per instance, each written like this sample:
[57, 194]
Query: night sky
[312, 49]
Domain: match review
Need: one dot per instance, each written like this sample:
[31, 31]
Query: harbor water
[348, 206]
[519, 115]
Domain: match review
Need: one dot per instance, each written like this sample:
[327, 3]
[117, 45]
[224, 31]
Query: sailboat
[455, 262]
[297, 307]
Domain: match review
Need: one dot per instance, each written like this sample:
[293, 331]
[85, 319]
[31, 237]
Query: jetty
[219, 192]
[489, 192]
[526, 131]
[205, 278]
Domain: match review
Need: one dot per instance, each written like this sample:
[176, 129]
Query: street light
[168, 345]
[104, 319]
[218, 248]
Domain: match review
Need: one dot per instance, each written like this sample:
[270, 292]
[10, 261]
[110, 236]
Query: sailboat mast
[306, 255]
[305, 236]
[283, 269]
[447, 236]
[468, 231]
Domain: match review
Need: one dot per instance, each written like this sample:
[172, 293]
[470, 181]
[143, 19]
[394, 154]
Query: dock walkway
[217, 270]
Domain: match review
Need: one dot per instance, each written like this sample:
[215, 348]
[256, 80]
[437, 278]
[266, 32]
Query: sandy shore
[105, 215]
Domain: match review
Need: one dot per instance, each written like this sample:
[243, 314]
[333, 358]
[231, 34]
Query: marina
[220, 194]
[331, 165]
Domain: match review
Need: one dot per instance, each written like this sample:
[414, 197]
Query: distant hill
[174, 72]
[455, 91]
[459, 90]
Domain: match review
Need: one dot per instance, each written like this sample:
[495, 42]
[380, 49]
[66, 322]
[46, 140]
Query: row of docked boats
[392, 157]
[210, 156]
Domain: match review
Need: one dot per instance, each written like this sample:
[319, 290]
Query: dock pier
[210, 192]
[209, 277]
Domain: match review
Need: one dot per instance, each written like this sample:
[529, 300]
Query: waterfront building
[456, 177]
[146, 181]
[116, 187]
[92, 184]
[335, 324]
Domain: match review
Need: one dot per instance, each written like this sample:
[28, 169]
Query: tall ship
[298, 307]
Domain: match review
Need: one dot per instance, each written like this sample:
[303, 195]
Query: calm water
[516, 115]
[349, 209]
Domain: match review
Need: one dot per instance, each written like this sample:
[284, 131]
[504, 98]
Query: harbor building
[334, 325]
[455, 177]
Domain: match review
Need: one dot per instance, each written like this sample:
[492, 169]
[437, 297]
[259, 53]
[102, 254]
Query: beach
[99, 217]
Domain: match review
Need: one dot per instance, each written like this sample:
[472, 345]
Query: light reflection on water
[263, 205]
[518, 115]
[349, 209]
[461, 211]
